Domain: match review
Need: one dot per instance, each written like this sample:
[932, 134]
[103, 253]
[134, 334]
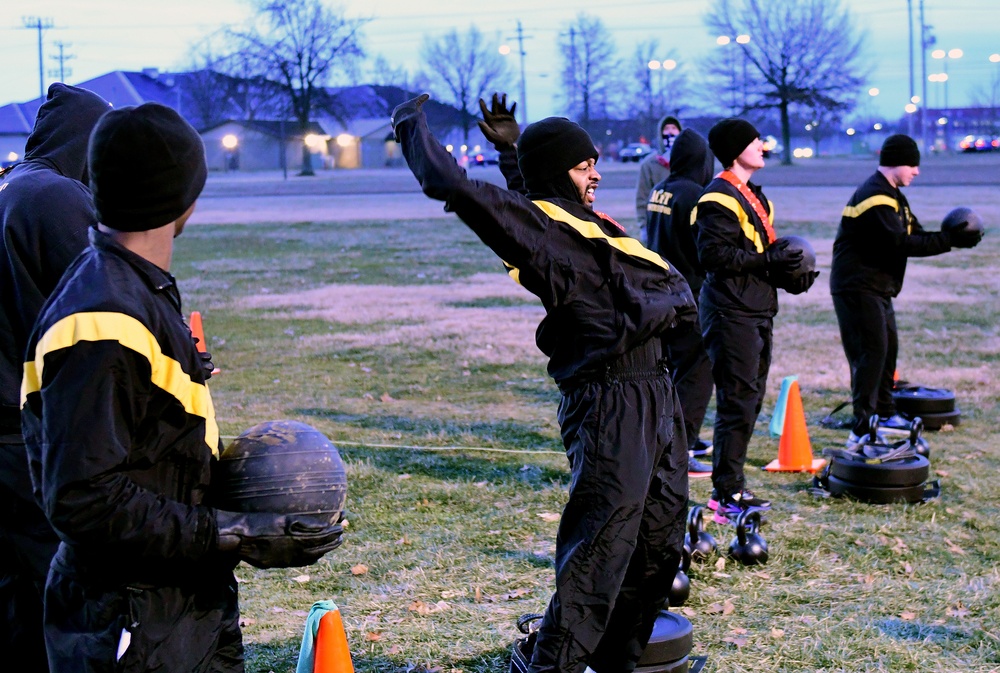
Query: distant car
[634, 152]
[484, 157]
[973, 143]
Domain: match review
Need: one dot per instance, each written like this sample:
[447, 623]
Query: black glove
[778, 259]
[802, 283]
[499, 125]
[267, 540]
[206, 360]
[964, 237]
[406, 110]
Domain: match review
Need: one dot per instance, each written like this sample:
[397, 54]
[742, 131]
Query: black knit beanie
[550, 147]
[729, 137]
[147, 166]
[899, 150]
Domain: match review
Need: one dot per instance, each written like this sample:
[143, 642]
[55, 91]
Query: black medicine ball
[285, 467]
[962, 218]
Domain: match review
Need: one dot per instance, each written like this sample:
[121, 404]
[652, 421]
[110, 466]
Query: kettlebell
[701, 543]
[873, 429]
[748, 547]
[681, 588]
[918, 443]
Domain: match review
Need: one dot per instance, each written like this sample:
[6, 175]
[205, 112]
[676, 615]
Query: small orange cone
[198, 332]
[794, 448]
[332, 655]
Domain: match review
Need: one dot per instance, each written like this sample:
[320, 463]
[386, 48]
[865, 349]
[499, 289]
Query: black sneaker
[701, 448]
[730, 508]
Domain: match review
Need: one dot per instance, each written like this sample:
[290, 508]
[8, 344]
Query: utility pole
[909, 25]
[524, 90]
[926, 40]
[63, 72]
[38, 24]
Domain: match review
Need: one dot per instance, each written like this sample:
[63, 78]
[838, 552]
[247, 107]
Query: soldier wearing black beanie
[609, 305]
[877, 233]
[743, 262]
[121, 434]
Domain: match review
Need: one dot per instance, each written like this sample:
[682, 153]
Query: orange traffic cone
[794, 448]
[332, 655]
[198, 332]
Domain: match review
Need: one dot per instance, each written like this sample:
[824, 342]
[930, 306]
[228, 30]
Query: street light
[945, 56]
[741, 39]
[659, 67]
[229, 143]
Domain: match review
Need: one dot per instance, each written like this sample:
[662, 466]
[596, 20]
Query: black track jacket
[603, 292]
[119, 423]
[669, 230]
[877, 233]
[731, 241]
[45, 211]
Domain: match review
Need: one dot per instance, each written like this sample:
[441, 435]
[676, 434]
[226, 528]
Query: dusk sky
[106, 35]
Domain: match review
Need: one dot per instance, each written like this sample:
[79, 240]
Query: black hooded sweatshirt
[668, 212]
[45, 211]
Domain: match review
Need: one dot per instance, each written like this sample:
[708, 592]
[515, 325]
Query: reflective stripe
[512, 271]
[730, 203]
[871, 202]
[590, 230]
[165, 372]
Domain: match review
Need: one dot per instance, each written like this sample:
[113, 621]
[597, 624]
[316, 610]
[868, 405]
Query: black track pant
[692, 376]
[620, 535]
[871, 343]
[740, 350]
[192, 628]
[27, 543]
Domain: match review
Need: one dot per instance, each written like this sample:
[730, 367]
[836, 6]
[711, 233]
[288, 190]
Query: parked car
[484, 157]
[634, 152]
[971, 143]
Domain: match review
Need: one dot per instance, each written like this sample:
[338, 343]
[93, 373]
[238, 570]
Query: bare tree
[299, 44]
[589, 69]
[655, 90]
[987, 95]
[800, 52]
[461, 69]
[384, 73]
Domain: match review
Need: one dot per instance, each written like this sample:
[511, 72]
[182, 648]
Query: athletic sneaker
[854, 442]
[894, 424]
[730, 508]
[701, 448]
[698, 469]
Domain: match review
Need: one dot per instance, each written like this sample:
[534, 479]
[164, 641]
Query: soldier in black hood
[45, 211]
[670, 234]
[609, 304]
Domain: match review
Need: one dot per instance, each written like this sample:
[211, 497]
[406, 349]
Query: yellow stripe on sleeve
[590, 230]
[166, 373]
[730, 203]
[871, 202]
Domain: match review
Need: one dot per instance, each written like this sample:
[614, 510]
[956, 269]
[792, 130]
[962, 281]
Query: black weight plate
[935, 421]
[877, 495]
[679, 666]
[671, 640]
[918, 400]
[906, 472]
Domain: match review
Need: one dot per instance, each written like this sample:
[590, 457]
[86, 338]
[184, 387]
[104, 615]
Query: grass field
[414, 353]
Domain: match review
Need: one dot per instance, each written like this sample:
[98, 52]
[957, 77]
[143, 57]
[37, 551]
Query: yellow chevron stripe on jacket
[629, 246]
[871, 202]
[166, 373]
[731, 203]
